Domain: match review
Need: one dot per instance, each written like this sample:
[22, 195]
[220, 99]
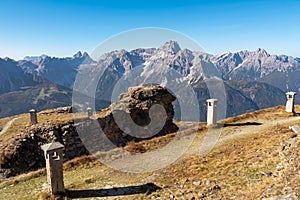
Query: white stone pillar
[33, 116]
[290, 103]
[211, 111]
[54, 165]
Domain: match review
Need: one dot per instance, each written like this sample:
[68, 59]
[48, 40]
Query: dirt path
[185, 146]
[252, 129]
[7, 125]
[219, 136]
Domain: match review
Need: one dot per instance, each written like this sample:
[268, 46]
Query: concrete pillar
[54, 165]
[211, 111]
[295, 129]
[89, 111]
[33, 116]
[290, 103]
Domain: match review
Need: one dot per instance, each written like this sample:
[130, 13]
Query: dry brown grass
[3, 121]
[17, 126]
[268, 113]
[239, 168]
[235, 169]
[134, 147]
[22, 122]
[81, 162]
[158, 142]
[44, 195]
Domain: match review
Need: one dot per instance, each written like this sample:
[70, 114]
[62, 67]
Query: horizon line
[83, 51]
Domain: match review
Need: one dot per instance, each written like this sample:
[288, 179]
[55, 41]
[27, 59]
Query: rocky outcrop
[287, 174]
[23, 153]
[134, 112]
[129, 119]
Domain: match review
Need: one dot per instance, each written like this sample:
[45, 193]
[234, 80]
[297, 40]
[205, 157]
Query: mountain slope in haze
[39, 97]
[262, 94]
[60, 71]
[286, 81]
[241, 97]
[12, 77]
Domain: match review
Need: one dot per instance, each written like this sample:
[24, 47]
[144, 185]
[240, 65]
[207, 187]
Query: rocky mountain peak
[85, 54]
[35, 58]
[261, 51]
[77, 55]
[171, 46]
[7, 59]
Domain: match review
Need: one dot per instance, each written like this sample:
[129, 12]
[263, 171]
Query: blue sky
[63, 27]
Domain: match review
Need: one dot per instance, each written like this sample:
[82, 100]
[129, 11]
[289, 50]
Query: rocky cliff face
[140, 119]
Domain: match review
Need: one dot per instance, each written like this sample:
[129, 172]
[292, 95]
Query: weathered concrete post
[211, 111]
[89, 111]
[290, 101]
[33, 116]
[54, 165]
[295, 128]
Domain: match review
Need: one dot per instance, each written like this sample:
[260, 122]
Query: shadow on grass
[119, 191]
[244, 124]
[296, 114]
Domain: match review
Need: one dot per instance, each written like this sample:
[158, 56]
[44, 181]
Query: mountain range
[252, 80]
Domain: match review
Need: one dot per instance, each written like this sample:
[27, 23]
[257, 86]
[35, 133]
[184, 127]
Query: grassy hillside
[40, 97]
[248, 162]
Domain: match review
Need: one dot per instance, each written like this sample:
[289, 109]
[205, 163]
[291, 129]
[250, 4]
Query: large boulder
[142, 113]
